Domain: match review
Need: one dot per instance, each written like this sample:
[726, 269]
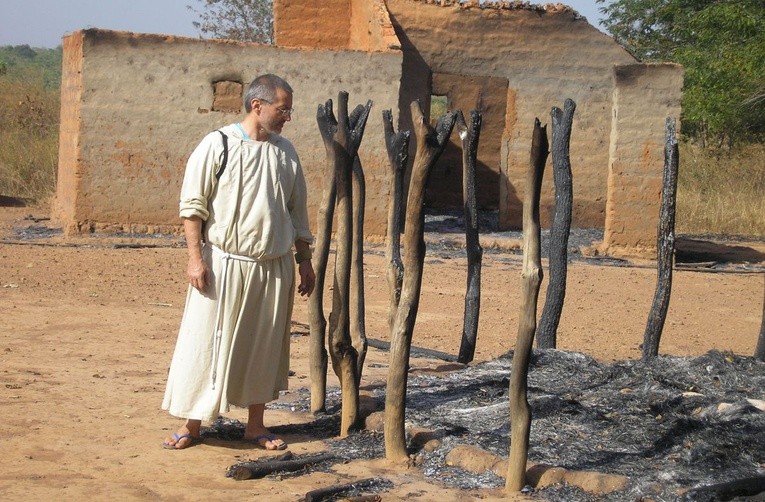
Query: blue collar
[239, 125]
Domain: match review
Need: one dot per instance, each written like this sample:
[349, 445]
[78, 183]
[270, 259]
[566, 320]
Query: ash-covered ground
[669, 425]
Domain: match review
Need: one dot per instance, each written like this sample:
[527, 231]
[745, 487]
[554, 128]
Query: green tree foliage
[721, 45]
[23, 62]
[243, 20]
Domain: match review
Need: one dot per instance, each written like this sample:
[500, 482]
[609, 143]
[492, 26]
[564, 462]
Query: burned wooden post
[358, 327]
[759, 352]
[666, 245]
[531, 278]
[397, 145]
[341, 139]
[317, 322]
[470, 136]
[346, 134]
[430, 144]
[562, 120]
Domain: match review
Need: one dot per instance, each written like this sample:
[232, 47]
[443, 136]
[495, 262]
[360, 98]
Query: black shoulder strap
[225, 155]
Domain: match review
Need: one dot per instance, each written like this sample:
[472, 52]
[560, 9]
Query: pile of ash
[669, 424]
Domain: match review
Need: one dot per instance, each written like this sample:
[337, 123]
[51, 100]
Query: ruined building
[135, 105]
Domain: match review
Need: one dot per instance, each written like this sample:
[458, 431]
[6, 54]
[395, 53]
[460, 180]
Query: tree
[721, 45]
[243, 20]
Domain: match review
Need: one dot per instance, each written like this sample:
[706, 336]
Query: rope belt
[218, 335]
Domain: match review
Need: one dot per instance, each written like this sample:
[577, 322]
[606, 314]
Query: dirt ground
[90, 325]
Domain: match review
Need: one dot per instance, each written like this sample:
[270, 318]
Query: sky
[43, 23]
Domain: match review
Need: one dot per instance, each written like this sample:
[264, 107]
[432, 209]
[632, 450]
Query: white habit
[233, 343]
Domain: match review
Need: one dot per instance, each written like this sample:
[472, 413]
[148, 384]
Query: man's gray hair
[264, 88]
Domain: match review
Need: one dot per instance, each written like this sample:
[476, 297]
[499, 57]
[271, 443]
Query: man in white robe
[233, 343]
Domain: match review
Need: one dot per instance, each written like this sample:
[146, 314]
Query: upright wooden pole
[666, 245]
[397, 145]
[430, 145]
[470, 136]
[342, 139]
[562, 121]
[531, 278]
[316, 320]
[358, 326]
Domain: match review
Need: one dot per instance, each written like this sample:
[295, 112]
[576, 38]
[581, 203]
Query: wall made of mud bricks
[361, 25]
[134, 107]
[547, 57]
[635, 174]
[321, 25]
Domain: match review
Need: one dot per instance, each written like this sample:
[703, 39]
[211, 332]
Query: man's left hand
[307, 278]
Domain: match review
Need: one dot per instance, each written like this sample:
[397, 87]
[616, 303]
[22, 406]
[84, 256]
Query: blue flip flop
[267, 437]
[178, 438]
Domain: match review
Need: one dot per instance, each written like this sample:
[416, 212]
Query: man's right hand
[197, 272]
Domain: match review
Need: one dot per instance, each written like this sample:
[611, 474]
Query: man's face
[274, 115]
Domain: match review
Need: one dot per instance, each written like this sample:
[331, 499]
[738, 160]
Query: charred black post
[346, 139]
[556, 290]
[318, 323]
[470, 136]
[358, 326]
[397, 145]
[666, 245]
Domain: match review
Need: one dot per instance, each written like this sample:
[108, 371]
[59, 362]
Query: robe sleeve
[199, 180]
[298, 204]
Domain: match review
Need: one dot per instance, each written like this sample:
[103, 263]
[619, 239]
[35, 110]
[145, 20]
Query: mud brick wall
[334, 24]
[635, 174]
[134, 106]
[546, 56]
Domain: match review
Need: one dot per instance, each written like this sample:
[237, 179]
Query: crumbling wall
[635, 167]
[547, 54]
[334, 24]
[134, 107]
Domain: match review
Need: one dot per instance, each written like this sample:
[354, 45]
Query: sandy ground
[90, 326]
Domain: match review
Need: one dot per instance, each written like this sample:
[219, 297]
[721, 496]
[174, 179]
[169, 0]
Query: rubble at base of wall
[626, 252]
[91, 227]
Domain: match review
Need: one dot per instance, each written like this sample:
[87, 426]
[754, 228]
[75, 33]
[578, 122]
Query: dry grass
[29, 119]
[721, 192]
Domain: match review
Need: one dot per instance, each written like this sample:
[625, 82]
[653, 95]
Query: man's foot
[267, 441]
[181, 440]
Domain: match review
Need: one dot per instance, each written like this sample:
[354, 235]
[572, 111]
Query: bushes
[29, 120]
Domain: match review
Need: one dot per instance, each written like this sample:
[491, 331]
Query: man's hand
[307, 278]
[197, 273]
[197, 270]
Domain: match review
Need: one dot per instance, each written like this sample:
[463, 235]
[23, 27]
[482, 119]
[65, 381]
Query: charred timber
[317, 321]
[562, 121]
[430, 144]
[470, 136]
[358, 325]
[415, 351]
[665, 245]
[531, 278]
[334, 491]
[347, 134]
[397, 146]
[255, 470]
